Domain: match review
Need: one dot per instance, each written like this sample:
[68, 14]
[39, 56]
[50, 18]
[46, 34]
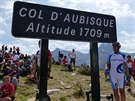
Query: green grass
[25, 90]
[70, 84]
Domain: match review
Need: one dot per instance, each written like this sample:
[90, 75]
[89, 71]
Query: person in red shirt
[65, 62]
[49, 61]
[130, 68]
[133, 73]
[49, 64]
[38, 53]
[7, 90]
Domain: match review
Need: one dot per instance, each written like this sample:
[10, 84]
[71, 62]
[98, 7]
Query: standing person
[14, 50]
[116, 63]
[16, 58]
[106, 73]
[38, 66]
[130, 68]
[7, 90]
[49, 64]
[60, 56]
[72, 57]
[133, 72]
[49, 61]
[18, 50]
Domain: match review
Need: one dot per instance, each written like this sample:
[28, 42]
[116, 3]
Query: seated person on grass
[7, 90]
[66, 66]
[2, 62]
[65, 63]
[33, 67]
[14, 74]
[6, 68]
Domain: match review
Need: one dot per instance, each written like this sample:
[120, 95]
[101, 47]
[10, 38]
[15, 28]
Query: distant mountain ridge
[103, 51]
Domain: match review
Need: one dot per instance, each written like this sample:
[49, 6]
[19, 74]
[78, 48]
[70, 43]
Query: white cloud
[69, 45]
[28, 40]
[70, 1]
[128, 46]
[2, 21]
[127, 40]
[2, 32]
[113, 7]
[6, 4]
[127, 34]
[76, 4]
[29, 46]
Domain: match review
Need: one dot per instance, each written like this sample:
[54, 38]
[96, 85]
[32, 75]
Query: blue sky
[123, 10]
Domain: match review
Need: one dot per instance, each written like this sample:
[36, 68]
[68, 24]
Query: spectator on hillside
[130, 68]
[6, 49]
[7, 56]
[14, 74]
[2, 62]
[16, 58]
[24, 67]
[10, 50]
[65, 62]
[14, 50]
[25, 57]
[20, 66]
[106, 72]
[72, 57]
[60, 56]
[133, 73]
[18, 50]
[6, 69]
[7, 90]
[66, 65]
[3, 48]
[49, 61]
[33, 67]
[38, 54]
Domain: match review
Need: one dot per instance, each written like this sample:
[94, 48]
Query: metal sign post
[43, 71]
[95, 72]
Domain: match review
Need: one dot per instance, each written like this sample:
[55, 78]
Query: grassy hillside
[71, 84]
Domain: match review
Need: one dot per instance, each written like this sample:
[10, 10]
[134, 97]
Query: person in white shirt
[116, 63]
[72, 57]
[16, 58]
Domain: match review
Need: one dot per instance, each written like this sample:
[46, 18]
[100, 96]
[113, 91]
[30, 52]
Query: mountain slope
[103, 51]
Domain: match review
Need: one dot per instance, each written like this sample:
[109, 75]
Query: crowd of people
[13, 64]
